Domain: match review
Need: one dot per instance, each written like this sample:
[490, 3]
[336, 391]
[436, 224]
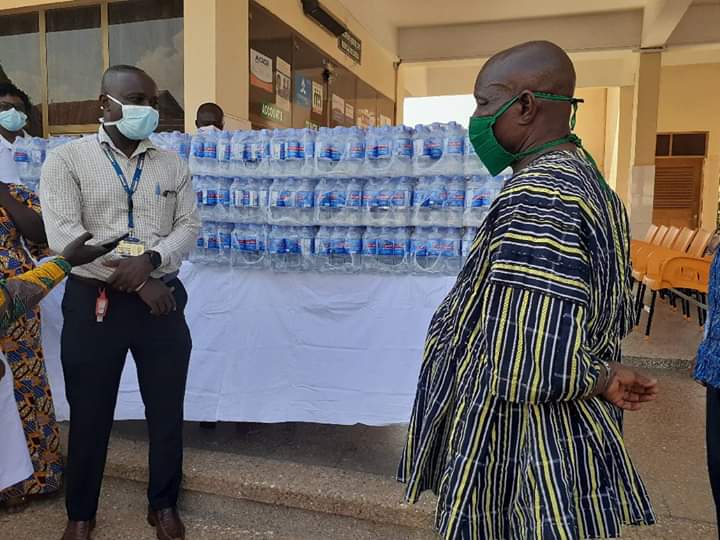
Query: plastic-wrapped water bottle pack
[387, 199]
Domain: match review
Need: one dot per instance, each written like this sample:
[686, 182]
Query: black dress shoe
[167, 523]
[78, 530]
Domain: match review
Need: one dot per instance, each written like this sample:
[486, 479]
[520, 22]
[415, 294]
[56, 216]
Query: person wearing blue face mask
[517, 422]
[22, 242]
[118, 184]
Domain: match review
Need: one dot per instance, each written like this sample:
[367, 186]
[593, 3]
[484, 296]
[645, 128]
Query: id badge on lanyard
[132, 246]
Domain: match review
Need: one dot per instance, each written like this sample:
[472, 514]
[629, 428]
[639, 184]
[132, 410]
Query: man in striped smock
[517, 422]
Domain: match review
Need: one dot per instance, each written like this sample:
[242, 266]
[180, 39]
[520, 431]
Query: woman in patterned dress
[517, 422]
[22, 239]
[18, 294]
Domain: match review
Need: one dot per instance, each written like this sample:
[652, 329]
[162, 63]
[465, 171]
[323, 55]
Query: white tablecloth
[327, 348]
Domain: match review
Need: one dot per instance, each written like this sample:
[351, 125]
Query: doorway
[678, 179]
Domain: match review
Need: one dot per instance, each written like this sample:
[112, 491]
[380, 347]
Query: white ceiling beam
[660, 19]
[597, 31]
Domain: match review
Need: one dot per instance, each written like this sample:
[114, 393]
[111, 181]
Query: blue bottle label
[354, 246]
[292, 245]
[210, 150]
[434, 147]
[456, 145]
[212, 242]
[304, 199]
[200, 243]
[418, 247]
[401, 198]
[225, 239]
[325, 199]
[338, 199]
[278, 151]
[370, 246]
[382, 150]
[294, 150]
[277, 246]
[354, 199]
[386, 247]
[223, 197]
[325, 151]
[384, 198]
[357, 150]
[400, 248]
[338, 246]
[404, 147]
[456, 198]
[210, 197]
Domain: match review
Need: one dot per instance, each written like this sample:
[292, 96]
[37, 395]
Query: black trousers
[93, 356]
[712, 431]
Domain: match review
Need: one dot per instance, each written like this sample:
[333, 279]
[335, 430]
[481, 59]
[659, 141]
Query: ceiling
[385, 18]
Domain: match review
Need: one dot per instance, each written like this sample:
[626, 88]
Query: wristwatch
[155, 259]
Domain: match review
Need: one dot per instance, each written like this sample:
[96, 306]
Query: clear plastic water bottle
[448, 248]
[211, 241]
[222, 210]
[239, 152]
[301, 248]
[197, 154]
[225, 231]
[429, 202]
[21, 156]
[304, 201]
[393, 246]
[402, 163]
[436, 145]
[353, 201]
[422, 159]
[325, 151]
[224, 154]
[37, 158]
[455, 201]
[278, 152]
[419, 240]
[371, 212]
[282, 201]
[308, 152]
[294, 152]
[323, 249]
[355, 151]
[472, 165]
[381, 156]
[402, 200]
[467, 242]
[263, 193]
[249, 246]
[370, 249]
[210, 146]
[478, 197]
[454, 149]
[354, 249]
[325, 209]
[278, 248]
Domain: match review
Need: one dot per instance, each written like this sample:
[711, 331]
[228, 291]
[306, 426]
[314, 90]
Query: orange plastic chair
[658, 234]
[649, 235]
[688, 273]
[657, 260]
[680, 245]
[638, 260]
[639, 245]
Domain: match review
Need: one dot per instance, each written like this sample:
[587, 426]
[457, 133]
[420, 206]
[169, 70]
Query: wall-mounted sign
[349, 113]
[338, 108]
[351, 45]
[282, 84]
[317, 97]
[261, 70]
[303, 87]
[272, 112]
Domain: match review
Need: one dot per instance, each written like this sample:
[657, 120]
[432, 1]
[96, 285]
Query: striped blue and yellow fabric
[504, 428]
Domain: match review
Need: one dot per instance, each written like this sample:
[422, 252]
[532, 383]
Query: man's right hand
[628, 388]
[158, 296]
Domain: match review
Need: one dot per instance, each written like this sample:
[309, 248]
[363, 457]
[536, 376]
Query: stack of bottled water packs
[29, 155]
[386, 199]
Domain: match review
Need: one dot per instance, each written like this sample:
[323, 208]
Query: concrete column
[624, 142]
[216, 59]
[642, 174]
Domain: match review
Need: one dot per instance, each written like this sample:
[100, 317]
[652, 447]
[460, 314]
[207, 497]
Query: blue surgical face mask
[137, 122]
[13, 120]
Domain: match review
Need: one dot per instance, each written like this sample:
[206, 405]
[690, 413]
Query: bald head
[520, 72]
[540, 66]
[129, 85]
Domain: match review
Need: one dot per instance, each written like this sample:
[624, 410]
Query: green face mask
[491, 152]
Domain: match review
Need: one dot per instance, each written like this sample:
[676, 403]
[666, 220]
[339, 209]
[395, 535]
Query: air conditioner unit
[313, 9]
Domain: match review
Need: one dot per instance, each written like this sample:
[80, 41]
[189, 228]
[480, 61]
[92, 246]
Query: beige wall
[591, 120]
[689, 102]
[377, 67]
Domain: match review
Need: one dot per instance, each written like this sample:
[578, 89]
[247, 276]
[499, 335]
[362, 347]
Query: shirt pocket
[168, 204]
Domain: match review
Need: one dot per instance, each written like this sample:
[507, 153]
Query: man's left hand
[629, 389]
[130, 272]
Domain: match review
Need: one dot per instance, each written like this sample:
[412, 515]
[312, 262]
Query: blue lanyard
[129, 188]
